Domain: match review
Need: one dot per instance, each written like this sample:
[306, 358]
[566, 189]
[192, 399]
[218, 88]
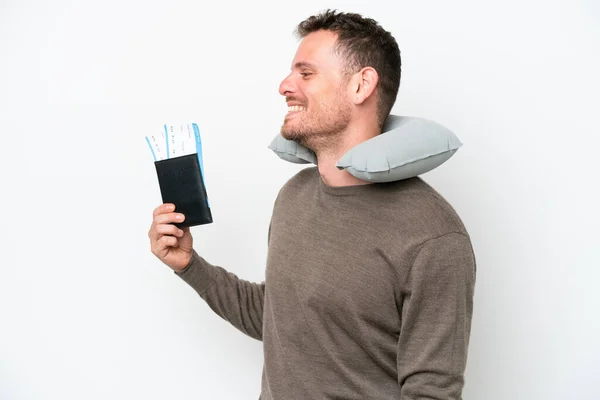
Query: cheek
[314, 88]
[316, 96]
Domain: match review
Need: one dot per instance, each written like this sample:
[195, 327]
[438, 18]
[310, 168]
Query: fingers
[163, 208]
[162, 222]
[168, 229]
[159, 247]
[169, 218]
[164, 234]
[162, 225]
[167, 241]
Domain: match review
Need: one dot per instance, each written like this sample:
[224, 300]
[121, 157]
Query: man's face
[315, 90]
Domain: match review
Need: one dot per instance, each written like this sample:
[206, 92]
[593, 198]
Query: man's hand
[173, 246]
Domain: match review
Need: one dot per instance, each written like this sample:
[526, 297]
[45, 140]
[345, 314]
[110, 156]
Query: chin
[288, 132]
[290, 135]
[297, 137]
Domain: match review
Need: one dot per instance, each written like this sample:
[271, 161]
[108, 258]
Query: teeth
[296, 108]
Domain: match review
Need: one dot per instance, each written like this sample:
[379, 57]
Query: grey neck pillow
[406, 147]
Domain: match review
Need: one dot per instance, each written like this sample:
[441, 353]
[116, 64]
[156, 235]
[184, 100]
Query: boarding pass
[176, 140]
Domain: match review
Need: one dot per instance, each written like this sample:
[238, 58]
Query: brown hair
[363, 43]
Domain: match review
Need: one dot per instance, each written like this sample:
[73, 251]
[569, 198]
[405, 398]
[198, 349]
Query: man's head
[345, 68]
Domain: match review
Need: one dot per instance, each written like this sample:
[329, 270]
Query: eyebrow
[304, 64]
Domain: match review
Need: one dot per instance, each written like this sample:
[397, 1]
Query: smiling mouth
[292, 109]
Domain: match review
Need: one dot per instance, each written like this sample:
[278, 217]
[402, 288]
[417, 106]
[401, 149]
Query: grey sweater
[368, 293]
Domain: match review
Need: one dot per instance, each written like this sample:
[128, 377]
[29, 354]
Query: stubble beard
[319, 131]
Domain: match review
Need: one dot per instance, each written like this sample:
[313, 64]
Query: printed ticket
[157, 144]
[181, 140]
[175, 140]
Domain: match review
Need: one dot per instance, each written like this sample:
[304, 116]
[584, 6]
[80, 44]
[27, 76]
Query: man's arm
[436, 319]
[238, 301]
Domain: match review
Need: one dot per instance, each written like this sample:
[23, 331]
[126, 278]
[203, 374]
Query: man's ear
[364, 84]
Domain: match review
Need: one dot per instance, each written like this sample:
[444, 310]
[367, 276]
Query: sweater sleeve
[235, 300]
[436, 319]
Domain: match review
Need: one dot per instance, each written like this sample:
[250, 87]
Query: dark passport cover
[181, 183]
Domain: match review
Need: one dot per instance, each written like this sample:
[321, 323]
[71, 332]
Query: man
[369, 287]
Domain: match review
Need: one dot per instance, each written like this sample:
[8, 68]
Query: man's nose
[286, 86]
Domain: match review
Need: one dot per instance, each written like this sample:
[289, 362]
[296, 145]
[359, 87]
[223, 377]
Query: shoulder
[417, 207]
[424, 229]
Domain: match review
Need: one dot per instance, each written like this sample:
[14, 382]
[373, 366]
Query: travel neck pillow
[406, 147]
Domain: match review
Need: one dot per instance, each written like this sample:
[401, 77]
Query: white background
[87, 312]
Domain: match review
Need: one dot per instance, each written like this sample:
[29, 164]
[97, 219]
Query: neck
[329, 154]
